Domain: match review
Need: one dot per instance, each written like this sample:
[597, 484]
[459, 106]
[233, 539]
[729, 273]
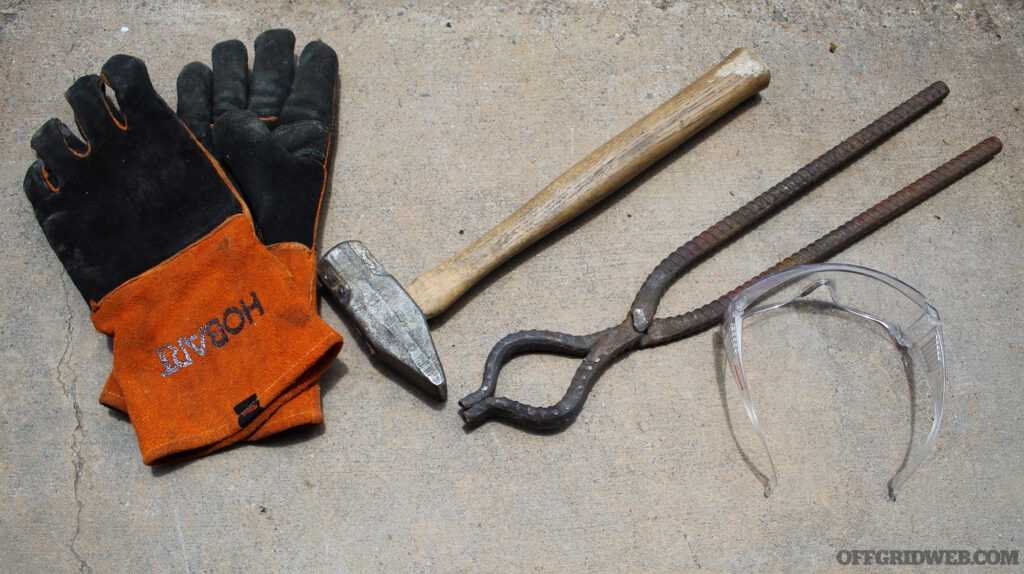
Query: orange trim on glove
[212, 342]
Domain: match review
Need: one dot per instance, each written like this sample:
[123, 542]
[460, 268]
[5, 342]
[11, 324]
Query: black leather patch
[247, 410]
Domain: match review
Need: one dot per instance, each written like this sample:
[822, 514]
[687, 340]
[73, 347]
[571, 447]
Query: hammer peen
[393, 320]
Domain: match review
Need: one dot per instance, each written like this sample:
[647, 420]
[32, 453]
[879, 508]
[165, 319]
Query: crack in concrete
[693, 555]
[70, 388]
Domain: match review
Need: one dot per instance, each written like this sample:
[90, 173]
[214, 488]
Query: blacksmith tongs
[640, 329]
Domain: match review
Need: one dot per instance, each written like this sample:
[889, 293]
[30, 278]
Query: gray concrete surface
[453, 114]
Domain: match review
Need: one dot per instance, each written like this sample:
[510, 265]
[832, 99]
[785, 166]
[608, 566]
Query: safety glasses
[899, 309]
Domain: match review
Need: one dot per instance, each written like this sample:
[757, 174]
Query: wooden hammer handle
[736, 78]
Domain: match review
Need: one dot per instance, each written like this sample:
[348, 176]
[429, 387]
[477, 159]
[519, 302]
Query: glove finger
[128, 77]
[195, 98]
[94, 116]
[273, 69]
[37, 188]
[53, 144]
[312, 96]
[230, 77]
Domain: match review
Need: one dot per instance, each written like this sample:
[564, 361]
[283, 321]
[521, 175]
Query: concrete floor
[450, 117]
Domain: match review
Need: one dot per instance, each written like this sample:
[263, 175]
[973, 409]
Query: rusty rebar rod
[645, 305]
[664, 330]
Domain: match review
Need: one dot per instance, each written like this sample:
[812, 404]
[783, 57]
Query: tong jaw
[598, 349]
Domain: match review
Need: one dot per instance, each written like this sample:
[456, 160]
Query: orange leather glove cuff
[211, 342]
[305, 408]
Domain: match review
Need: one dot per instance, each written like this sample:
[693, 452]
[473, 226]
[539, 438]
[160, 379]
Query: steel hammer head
[391, 323]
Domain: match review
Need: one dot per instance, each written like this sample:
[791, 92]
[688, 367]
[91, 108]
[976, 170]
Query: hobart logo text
[175, 357]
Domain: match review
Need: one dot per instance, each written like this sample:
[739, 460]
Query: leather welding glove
[273, 133]
[211, 333]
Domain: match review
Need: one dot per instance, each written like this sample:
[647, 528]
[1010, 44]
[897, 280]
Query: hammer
[393, 320]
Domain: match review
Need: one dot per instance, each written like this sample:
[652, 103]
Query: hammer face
[391, 323]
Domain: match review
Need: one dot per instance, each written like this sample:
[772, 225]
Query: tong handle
[835, 241]
[755, 211]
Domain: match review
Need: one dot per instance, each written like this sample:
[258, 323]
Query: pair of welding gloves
[191, 235]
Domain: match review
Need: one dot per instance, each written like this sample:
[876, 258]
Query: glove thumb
[283, 192]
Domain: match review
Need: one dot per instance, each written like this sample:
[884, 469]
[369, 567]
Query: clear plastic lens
[894, 306]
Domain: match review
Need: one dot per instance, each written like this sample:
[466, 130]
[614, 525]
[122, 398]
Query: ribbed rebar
[664, 330]
[602, 347]
[640, 329]
[645, 305]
